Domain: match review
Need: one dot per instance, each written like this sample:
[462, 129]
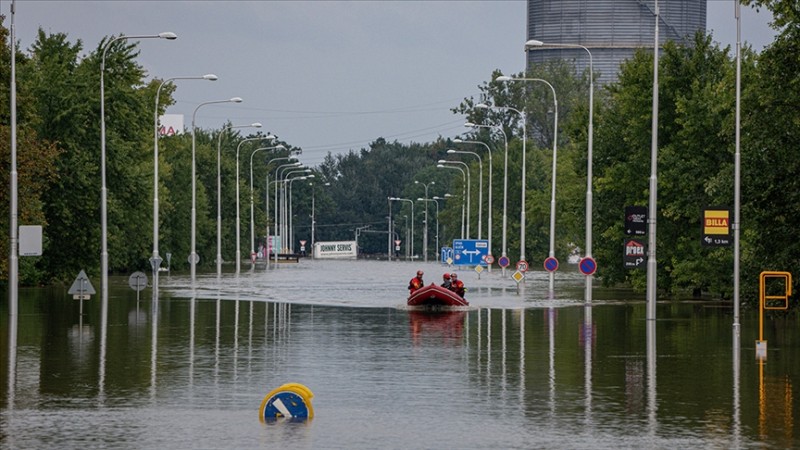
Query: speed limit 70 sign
[522, 266]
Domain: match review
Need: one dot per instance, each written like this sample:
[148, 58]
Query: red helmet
[453, 275]
[446, 276]
[419, 273]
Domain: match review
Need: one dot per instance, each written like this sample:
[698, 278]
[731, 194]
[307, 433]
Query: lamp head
[533, 43]
[236, 100]
[441, 161]
[168, 35]
[470, 125]
[256, 124]
[451, 151]
[420, 199]
[482, 106]
[503, 78]
[210, 77]
[458, 141]
[270, 137]
[310, 176]
[280, 147]
[440, 166]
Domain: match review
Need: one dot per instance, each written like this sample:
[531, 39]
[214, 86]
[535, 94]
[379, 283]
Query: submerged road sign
[470, 252]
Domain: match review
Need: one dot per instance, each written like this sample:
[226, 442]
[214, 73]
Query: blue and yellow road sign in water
[291, 401]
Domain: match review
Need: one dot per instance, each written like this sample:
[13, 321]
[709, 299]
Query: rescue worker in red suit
[446, 281]
[415, 283]
[457, 285]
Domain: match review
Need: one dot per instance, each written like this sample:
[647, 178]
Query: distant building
[612, 30]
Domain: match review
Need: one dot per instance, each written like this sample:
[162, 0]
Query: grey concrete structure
[611, 29]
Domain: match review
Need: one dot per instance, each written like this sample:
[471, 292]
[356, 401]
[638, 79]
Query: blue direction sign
[470, 252]
[446, 253]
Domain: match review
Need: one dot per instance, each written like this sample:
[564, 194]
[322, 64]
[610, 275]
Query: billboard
[336, 250]
[170, 125]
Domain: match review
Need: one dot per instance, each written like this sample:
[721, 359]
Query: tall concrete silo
[612, 30]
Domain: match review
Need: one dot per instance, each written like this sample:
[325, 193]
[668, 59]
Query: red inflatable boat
[433, 295]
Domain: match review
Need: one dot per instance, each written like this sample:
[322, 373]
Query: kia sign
[635, 220]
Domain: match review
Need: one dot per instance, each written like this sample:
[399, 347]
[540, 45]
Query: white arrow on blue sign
[470, 252]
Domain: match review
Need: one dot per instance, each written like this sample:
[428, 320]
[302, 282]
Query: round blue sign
[503, 261]
[588, 265]
[551, 264]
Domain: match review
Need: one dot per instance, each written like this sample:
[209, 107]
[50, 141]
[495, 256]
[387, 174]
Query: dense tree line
[58, 110]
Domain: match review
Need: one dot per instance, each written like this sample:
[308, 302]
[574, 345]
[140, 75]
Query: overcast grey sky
[326, 76]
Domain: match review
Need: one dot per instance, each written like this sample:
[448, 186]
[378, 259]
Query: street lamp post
[491, 211]
[252, 214]
[468, 184]
[504, 249]
[280, 205]
[238, 221]
[436, 200]
[440, 166]
[553, 177]
[522, 225]
[291, 214]
[398, 199]
[313, 216]
[266, 201]
[480, 187]
[287, 193]
[530, 45]
[425, 230]
[433, 199]
[155, 260]
[193, 258]
[219, 191]
[103, 189]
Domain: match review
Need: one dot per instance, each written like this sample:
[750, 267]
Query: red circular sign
[489, 259]
[522, 266]
[551, 264]
[588, 265]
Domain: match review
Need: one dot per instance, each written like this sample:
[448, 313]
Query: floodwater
[515, 370]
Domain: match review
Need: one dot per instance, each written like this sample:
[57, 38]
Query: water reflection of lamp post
[155, 260]
[193, 255]
[219, 190]
[103, 190]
